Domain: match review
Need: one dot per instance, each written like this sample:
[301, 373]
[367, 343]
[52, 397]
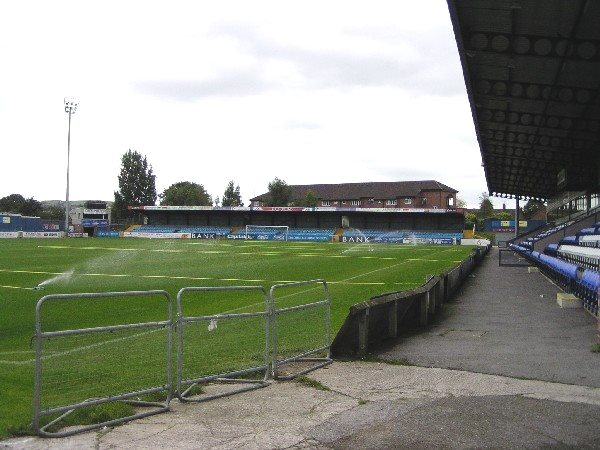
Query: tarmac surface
[495, 325]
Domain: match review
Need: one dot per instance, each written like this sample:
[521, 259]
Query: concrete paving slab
[370, 405]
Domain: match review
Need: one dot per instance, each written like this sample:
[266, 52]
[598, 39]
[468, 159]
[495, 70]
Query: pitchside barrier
[85, 367]
[309, 343]
[221, 348]
[385, 316]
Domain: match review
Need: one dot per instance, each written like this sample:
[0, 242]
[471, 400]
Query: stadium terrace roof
[532, 71]
[378, 190]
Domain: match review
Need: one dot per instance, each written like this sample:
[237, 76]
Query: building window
[408, 201]
[424, 201]
[355, 202]
[391, 202]
[325, 203]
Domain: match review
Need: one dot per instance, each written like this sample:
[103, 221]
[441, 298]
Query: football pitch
[354, 273]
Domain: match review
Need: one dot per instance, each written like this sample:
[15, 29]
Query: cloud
[233, 83]
[302, 125]
[362, 57]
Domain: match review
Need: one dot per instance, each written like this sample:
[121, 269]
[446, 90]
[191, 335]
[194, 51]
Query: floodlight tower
[70, 109]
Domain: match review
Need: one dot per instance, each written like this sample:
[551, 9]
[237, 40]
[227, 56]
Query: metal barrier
[100, 367]
[300, 336]
[510, 258]
[245, 331]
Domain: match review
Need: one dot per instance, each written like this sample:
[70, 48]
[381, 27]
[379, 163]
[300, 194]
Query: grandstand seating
[573, 263]
[293, 234]
[528, 243]
[219, 231]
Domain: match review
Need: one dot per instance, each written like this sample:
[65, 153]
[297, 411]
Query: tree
[504, 215]
[137, 184]
[470, 220]
[12, 203]
[53, 212]
[185, 193]
[280, 194]
[486, 208]
[460, 203]
[531, 208]
[232, 195]
[309, 199]
[31, 207]
[17, 204]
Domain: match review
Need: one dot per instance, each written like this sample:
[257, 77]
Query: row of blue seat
[528, 243]
[221, 231]
[581, 281]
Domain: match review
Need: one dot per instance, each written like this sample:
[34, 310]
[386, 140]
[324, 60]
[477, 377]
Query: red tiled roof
[376, 190]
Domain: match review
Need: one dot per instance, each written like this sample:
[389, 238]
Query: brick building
[429, 194]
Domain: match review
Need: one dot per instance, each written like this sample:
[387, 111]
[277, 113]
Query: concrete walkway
[505, 321]
[369, 405]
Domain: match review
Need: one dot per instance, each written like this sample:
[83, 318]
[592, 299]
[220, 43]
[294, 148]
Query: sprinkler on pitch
[39, 287]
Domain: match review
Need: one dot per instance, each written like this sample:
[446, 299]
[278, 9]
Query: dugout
[298, 217]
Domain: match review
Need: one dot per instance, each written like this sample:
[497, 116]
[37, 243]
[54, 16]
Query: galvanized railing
[298, 354]
[186, 385]
[85, 367]
[55, 364]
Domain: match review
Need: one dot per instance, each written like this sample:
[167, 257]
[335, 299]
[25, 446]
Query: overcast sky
[308, 91]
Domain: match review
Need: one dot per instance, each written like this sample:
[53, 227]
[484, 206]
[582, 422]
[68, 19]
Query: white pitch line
[17, 287]
[217, 252]
[76, 349]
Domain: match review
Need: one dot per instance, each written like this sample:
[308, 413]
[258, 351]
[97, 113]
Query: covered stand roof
[532, 71]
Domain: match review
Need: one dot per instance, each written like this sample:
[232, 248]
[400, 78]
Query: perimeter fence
[81, 363]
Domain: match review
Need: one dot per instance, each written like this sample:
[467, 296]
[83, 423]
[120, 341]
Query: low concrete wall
[383, 316]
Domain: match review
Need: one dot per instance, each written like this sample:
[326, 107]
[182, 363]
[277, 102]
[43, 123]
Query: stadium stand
[573, 263]
[528, 243]
[293, 234]
[219, 231]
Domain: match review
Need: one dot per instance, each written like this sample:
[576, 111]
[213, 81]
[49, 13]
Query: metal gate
[84, 367]
[203, 355]
[301, 332]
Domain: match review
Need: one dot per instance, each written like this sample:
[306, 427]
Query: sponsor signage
[354, 239]
[5, 219]
[310, 238]
[396, 240]
[440, 241]
[106, 233]
[9, 234]
[157, 235]
[240, 236]
[293, 209]
[42, 234]
[95, 211]
[50, 227]
[204, 236]
[94, 222]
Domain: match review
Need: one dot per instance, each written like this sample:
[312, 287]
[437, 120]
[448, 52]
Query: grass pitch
[354, 273]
